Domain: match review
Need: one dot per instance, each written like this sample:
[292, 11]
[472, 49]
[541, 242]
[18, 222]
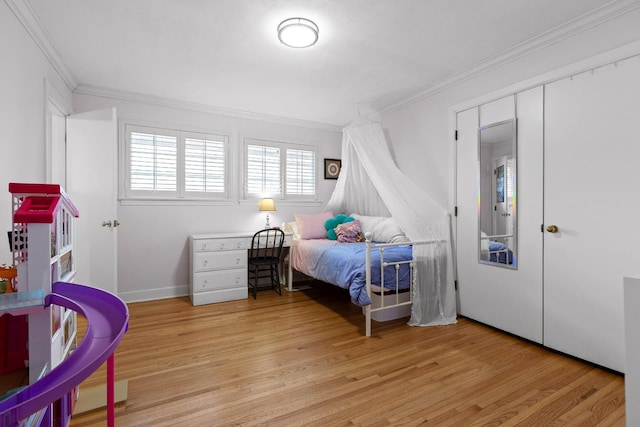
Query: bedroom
[159, 232]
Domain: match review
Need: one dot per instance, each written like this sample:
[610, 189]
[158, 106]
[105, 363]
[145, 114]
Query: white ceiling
[372, 54]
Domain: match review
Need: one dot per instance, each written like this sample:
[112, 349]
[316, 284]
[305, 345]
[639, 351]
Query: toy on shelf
[8, 275]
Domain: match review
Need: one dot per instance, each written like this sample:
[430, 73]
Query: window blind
[153, 162]
[263, 170]
[204, 165]
[301, 172]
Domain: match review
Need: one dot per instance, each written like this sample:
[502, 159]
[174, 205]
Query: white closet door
[508, 299]
[591, 167]
[467, 207]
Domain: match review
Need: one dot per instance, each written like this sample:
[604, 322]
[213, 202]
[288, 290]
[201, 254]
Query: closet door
[591, 177]
[507, 298]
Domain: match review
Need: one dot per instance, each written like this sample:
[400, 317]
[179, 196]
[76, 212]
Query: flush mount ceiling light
[298, 32]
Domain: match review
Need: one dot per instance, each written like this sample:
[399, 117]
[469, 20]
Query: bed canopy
[371, 184]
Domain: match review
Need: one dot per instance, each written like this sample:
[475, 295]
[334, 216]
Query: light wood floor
[302, 359]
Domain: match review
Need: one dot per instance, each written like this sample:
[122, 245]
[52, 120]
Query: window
[204, 160]
[280, 170]
[174, 164]
[263, 170]
[301, 172]
[153, 162]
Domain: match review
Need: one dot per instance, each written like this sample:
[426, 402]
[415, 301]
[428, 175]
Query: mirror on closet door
[497, 240]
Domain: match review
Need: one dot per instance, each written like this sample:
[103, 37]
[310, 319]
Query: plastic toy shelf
[17, 303]
[107, 322]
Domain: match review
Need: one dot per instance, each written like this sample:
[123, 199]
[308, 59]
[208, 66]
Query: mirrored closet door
[576, 212]
[499, 201]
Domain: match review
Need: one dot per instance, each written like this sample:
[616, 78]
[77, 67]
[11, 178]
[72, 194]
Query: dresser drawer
[210, 297]
[221, 279]
[205, 261]
[205, 245]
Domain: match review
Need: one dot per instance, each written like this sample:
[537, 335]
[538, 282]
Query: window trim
[128, 196]
[283, 146]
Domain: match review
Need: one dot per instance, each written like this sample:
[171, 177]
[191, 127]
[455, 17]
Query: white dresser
[218, 266]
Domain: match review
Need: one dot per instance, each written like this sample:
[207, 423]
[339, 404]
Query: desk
[218, 266]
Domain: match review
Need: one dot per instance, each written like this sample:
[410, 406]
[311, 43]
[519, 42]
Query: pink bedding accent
[312, 226]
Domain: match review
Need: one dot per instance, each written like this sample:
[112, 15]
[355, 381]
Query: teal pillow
[332, 223]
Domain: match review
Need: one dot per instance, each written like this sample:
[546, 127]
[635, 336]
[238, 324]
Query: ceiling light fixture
[298, 32]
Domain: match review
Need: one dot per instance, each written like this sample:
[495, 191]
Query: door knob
[552, 229]
[114, 223]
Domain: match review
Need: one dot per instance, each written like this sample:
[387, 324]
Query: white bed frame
[393, 304]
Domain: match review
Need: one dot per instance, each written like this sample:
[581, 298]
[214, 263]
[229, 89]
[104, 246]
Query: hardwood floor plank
[302, 359]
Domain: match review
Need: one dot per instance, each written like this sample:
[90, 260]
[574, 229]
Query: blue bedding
[498, 253]
[343, 265]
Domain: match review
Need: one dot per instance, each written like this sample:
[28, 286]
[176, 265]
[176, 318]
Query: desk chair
[264, 259]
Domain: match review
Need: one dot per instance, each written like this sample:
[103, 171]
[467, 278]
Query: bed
[344, 265]
[500, 253]
[495, 251]
[358, 265]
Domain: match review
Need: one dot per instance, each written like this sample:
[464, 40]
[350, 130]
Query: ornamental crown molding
[23, 11]
[604, 13]
[141, 98]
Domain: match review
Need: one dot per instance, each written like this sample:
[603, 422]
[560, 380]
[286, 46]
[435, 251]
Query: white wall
[421, 133]
[152, 249]
[23, 72]
[153, 239]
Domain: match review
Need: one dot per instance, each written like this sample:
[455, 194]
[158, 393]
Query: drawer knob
[221, 245]
[237, 261]
[205, 262]
[204, 246]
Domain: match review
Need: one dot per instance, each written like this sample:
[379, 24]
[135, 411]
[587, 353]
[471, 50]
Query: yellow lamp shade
[266, 205]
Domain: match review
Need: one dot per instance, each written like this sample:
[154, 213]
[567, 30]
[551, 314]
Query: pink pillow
[349, 232]
[312, 226]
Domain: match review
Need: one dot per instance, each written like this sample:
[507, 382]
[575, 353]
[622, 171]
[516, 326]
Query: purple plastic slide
[107, 322]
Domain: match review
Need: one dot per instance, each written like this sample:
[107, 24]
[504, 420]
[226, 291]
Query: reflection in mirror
[497, 194]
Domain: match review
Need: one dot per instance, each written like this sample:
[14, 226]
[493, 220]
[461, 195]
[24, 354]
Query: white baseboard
[154, 294]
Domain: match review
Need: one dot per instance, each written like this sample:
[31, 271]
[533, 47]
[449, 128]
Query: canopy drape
[370, 183]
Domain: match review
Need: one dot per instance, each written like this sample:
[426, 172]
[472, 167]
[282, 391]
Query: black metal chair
[264, 260]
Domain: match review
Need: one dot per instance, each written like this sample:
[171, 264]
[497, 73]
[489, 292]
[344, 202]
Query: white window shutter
[153, 162]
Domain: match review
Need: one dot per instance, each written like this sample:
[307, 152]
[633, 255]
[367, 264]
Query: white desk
[218, 266]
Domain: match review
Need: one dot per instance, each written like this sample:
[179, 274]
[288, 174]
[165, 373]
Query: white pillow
[383, 229]
[292, 227]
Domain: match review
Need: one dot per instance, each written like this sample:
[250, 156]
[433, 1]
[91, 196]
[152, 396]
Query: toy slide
[107, 322]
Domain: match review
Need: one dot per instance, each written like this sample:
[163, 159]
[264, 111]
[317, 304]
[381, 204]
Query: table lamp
[267, 205]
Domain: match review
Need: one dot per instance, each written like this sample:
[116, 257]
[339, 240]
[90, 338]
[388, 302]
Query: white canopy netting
[371, 184]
